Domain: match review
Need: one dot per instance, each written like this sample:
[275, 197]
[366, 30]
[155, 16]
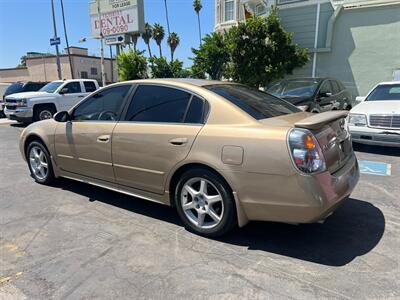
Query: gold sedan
[221, 153]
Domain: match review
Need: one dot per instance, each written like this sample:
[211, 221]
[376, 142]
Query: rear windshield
[294, 89]
[385, 92]
[257, 104]
[14, 88]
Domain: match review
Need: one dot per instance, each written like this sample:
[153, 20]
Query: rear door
[158, 130]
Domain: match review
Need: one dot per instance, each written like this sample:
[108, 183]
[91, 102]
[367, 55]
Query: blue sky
[26, 25]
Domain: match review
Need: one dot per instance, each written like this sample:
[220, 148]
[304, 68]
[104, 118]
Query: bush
[131, 65]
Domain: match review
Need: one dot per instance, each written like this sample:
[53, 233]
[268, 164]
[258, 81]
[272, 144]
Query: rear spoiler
[318, 120]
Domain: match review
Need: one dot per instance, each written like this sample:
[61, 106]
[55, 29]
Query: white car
[376, 120]
[59, 95]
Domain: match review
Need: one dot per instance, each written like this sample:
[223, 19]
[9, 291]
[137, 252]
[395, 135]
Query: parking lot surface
[75, 241]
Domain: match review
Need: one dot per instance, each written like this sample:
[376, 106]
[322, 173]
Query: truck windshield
[385, 92]
[51, 87]
[257, 104]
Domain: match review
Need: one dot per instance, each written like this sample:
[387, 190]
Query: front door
[158, 131]
[70, 94]
[83, 145]
[325, 96]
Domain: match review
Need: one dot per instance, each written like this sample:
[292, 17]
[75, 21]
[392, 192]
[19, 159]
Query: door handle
[81, 96]
[178, 141]
[103, 139]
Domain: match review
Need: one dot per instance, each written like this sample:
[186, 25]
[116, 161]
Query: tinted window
[335, 87]
[325, 88]
[195, 111]
[385, 92]
[72, 88]
[14, 88]
[51, 87]
[158, 104]
[105, 105]
[256, 103]
[294, 88]
[89, 86]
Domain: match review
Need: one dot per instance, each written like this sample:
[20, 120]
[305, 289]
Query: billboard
[117, 17]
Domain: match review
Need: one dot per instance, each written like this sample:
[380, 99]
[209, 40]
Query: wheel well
[178, 173]
[31, 139]
[348, 107]
[41, 105]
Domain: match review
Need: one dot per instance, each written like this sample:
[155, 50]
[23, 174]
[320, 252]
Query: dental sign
[117, 17]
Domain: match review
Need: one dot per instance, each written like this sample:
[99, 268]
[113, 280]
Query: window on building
[93, 71]
[260, 9]
[158, 104]
[229, 10]
[84, 75]
[106, 105]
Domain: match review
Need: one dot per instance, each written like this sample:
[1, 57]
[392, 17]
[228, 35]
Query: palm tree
[197, 8]
[158, 35]
[135, 37]
[146, 36]
[173, 42]
[166, 14]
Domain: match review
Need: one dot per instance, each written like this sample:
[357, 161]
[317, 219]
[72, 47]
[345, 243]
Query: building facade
[356, 41]
[43, 67]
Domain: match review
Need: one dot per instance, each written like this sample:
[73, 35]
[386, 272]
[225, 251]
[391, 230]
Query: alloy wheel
[38, 163]
[202, 203]
[45, 114]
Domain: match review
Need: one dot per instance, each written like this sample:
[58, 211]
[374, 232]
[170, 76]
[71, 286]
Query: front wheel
[43, 113]
[39, 163]
[204, 203]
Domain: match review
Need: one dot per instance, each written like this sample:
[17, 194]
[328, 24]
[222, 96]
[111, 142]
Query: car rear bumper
[373, 136]
[299, 198]
[21, 114]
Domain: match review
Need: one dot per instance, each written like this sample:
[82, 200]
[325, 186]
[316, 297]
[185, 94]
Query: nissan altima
[221, 153]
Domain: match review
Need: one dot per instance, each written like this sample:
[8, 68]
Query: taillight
[305, 151]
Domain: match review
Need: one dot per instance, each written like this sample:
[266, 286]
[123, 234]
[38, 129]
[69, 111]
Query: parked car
[376, 120]
[221, 153]
[314, 94]
[55, 96]
[3, 88]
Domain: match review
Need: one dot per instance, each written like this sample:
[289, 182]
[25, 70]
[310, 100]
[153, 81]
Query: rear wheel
[39, 163]
[43, 113]
[204, 203]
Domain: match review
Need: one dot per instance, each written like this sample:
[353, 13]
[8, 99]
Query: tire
[43, 113]
[37, 156]
[210, 214]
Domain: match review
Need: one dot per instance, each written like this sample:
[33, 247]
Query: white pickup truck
[56, 96]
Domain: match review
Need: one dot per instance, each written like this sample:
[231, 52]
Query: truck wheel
[43, 113]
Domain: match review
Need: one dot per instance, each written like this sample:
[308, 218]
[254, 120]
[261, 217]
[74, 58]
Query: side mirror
[63, 91]
[360, 99]
[62, 116]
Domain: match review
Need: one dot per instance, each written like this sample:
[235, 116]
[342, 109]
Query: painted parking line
[375, 168]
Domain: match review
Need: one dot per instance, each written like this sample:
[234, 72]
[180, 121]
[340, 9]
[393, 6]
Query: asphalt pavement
[75, 241]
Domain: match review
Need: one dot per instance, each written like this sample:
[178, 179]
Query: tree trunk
[148, 47]
[172, 55]
[160, 50]
[198, 19]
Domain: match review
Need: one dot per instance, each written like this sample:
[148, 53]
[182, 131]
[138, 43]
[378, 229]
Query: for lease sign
[117, 17]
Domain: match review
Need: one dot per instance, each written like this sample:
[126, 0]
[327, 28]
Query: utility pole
[103, 75]
[55, 36]
[66, 40]
[112, 64]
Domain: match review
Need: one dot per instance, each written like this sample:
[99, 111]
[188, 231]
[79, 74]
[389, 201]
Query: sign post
[55, 41]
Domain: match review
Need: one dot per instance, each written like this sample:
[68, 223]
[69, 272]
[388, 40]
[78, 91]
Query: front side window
[335, 87]
[385, 92]
[257, 104]
[106, 105]
[72, 88]
[229, 10]
[325, 88]
[153, 103]
[51, 87]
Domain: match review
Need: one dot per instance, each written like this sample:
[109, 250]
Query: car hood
[27, 95]
[377, 107]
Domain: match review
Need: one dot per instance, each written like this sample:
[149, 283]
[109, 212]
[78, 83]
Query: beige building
[42, 67]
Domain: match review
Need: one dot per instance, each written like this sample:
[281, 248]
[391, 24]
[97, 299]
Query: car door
[70, 94]
[157, 132]
[324, 96]
[83, 145]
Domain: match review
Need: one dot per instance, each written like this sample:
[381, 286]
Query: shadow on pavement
[19, 125]
[353, 230]
[380, 150]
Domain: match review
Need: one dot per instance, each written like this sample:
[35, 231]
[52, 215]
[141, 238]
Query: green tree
[146, 36]
[197, 8]
[158, 35]
[173, 42]
[131, 65]
[161, 68]
[212, 57]
[262, 51]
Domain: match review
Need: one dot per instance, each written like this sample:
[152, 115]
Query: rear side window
[73, 88]
[106, 105]
[153, 103]
[257, 104]
[195, 112]
[89, 86]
